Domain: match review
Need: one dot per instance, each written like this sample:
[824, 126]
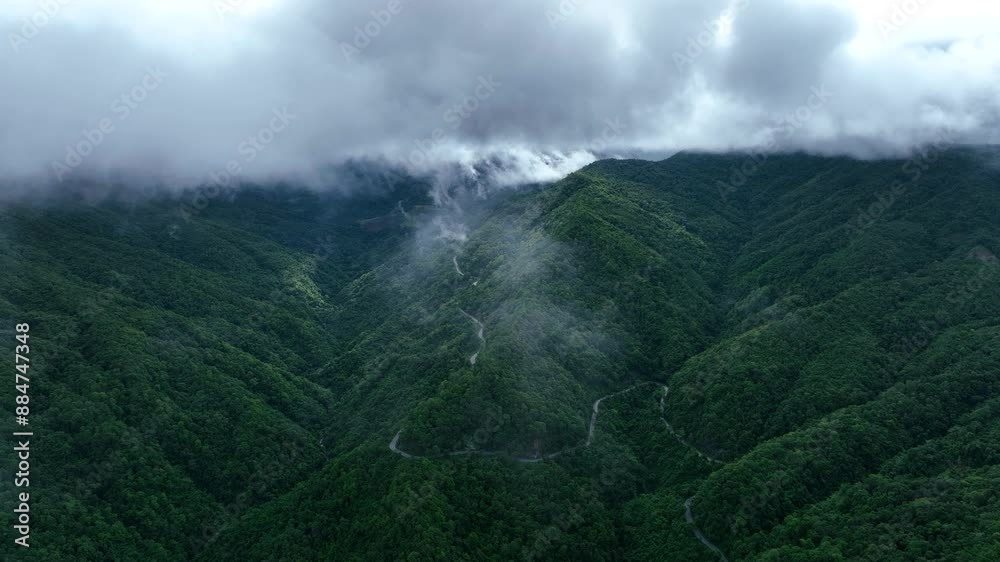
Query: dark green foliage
[227, 387]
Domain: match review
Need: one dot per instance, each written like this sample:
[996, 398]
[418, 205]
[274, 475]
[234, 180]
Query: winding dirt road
[688, 514]
[697, 532]
[394, 449]
[595, 410]
[479, 333]
[670, 428]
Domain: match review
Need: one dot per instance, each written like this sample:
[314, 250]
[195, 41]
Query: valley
[806, 371]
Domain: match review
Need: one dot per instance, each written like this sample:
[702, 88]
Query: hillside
[785, 371]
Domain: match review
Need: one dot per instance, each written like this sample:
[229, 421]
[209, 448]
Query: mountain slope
[827, 335]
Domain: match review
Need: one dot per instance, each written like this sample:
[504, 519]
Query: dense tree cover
[226, 387]
[170, 377]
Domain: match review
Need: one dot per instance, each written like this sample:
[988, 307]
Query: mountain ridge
[819, 360]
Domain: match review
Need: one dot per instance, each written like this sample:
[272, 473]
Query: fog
[190, 92]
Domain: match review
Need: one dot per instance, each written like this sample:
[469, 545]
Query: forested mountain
[796, 363]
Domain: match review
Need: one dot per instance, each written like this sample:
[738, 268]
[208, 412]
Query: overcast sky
[284, 88]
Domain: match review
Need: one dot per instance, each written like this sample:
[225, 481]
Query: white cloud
[609, 59]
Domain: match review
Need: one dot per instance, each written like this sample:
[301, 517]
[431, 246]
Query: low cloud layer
[193, 91]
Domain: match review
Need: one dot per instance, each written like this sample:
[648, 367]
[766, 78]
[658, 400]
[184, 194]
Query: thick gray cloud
[287, 88]
[781, 50]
